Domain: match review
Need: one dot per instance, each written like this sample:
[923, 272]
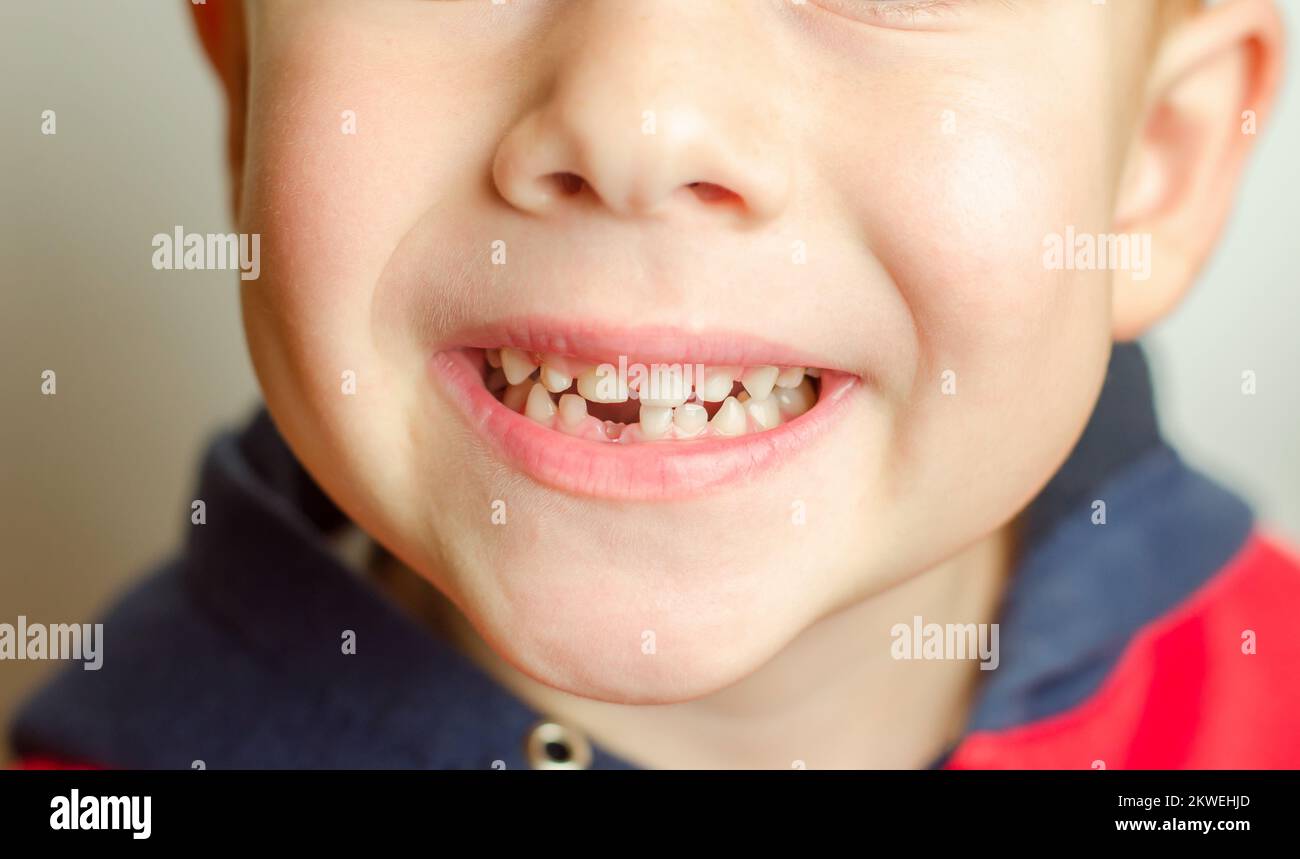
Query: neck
[834, 698]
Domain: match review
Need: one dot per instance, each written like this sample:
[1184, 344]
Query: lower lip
[645, 471]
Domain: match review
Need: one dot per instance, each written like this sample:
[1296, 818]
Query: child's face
[861, 186]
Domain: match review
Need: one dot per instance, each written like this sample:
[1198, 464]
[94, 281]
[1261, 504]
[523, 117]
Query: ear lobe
[220, 26]
[1212, 86]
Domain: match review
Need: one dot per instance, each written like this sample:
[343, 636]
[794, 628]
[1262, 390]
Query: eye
[894, 13]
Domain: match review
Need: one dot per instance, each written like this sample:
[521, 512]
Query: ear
[1210, 89]
[220, 25]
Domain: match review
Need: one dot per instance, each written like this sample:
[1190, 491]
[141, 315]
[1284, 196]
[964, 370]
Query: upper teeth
[673, 408]
[517, 365]
[555, 380]
[759, 380]
[600, 387]
[789, 377]
[716, 385]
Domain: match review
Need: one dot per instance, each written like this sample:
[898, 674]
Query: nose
[651, 116]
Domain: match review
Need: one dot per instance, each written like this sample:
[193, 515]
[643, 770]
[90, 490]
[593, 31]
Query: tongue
[622, 413]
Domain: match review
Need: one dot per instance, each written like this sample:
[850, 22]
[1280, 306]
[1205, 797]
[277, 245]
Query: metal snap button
[554, 746]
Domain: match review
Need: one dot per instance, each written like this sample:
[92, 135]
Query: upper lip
[595, 341]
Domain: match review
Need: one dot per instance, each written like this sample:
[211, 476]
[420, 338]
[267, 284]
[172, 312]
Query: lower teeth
[757, 399]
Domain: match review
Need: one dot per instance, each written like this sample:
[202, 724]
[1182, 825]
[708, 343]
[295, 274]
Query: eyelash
[900, 12]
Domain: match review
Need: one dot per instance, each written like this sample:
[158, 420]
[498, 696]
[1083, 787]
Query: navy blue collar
[1082, 590]
[232, 654]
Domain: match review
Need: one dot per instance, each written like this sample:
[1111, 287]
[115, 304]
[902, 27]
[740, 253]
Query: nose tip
[561, 158]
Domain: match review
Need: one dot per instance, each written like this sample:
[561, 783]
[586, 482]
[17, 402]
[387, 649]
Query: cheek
[1009, 353]
[330, 204]
[967, 254]
[341, 166]
[345, 159]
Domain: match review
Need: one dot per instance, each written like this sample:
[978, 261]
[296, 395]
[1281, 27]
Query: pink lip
[647, 471]
[597, 343]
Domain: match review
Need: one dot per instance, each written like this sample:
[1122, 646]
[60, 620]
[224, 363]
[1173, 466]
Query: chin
[635, 633]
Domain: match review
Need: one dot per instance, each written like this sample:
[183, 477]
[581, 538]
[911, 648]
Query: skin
[826, 124]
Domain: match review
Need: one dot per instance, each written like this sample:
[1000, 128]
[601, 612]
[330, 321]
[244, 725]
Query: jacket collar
[1084, 587]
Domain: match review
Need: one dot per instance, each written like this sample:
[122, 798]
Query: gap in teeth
[564, 394]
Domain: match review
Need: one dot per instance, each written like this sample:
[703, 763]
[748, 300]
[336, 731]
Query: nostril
[707, 192]
[569, 184]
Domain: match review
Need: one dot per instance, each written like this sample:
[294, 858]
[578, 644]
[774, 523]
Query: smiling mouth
[625, 431]
[629, 404]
